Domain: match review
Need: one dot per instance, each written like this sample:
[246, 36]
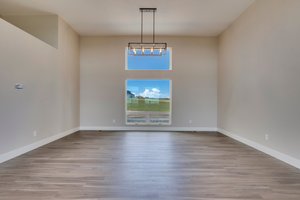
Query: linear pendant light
[147, 48]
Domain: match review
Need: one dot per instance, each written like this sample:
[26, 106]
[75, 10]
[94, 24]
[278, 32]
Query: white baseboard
[276, 154]
[17, 152]
[146, 128]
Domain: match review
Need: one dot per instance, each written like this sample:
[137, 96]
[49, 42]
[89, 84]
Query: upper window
[135, 62]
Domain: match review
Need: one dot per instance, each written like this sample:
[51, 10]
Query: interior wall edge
[267, 150]
[146, 128]
[17, 152]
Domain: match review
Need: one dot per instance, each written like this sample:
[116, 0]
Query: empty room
[148, 100]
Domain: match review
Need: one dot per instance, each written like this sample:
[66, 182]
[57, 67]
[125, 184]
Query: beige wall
[49, 102]
[69, 65]
[44, 27]
[194, 81]
[259, 59]
[258, 81]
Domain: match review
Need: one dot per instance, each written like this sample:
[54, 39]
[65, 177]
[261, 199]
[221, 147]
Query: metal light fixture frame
[147, 48]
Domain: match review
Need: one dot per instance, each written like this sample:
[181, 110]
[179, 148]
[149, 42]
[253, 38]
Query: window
[163, 62]
[148, 102]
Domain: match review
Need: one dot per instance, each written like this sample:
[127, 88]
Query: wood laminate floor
[147, 165]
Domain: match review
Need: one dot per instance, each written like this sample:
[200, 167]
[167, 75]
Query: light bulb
[160, 50]
[152, 50]
[143, 50]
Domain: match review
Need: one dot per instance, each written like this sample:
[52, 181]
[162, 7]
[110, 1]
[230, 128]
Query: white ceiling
[122, 17]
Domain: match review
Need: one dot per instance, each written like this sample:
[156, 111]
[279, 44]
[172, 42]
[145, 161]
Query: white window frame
[148, 113]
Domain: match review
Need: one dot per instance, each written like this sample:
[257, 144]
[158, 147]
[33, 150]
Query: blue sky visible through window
[149, 62]
[149, 88]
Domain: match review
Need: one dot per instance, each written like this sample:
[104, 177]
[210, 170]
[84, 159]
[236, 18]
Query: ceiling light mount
[148, 9]
[147, 48]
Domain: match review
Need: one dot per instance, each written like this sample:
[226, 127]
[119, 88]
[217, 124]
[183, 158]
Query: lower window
[148, 102]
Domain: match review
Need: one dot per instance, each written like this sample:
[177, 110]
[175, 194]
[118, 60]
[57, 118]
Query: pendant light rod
[153, 34]
[147, 48]
[153, 10]
[142, 25]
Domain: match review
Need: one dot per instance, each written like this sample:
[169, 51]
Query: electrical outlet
[266, 137]
[34, 133]
[190, 121]
[114, 121]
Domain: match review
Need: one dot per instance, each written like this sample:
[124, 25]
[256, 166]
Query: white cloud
[155, 90]
[153, 93]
